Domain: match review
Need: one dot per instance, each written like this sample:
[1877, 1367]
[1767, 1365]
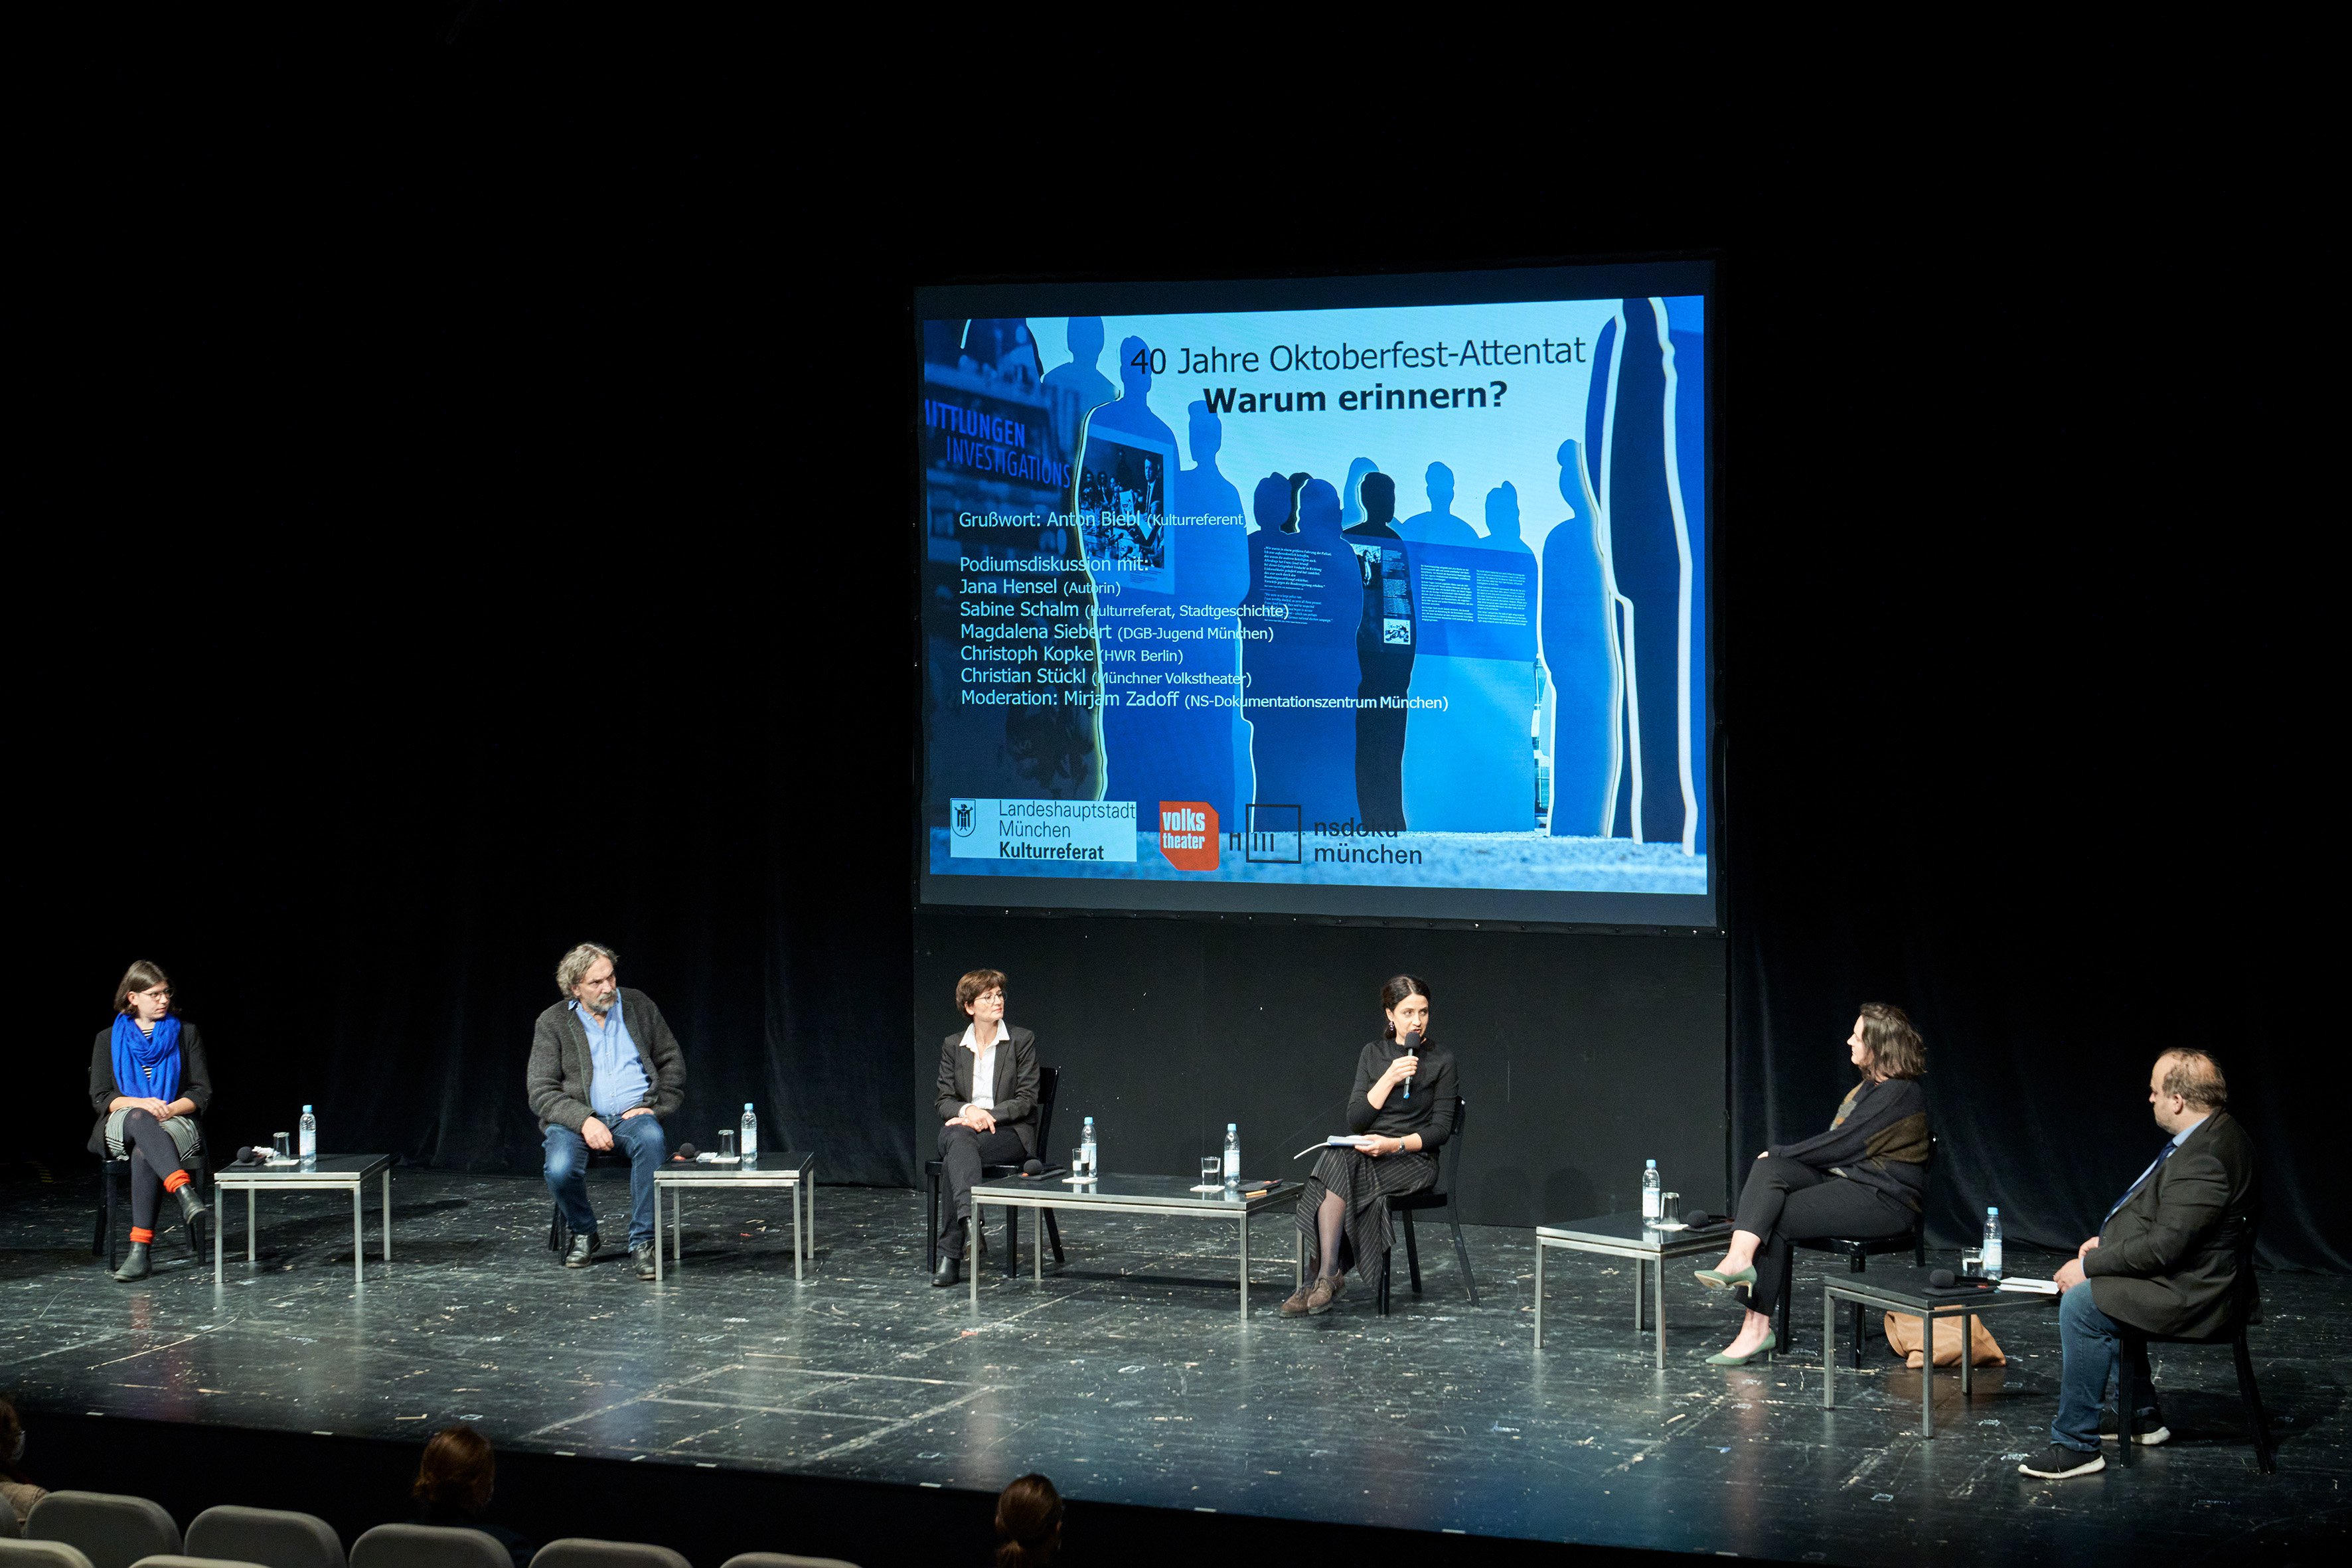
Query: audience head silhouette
[458, 1471]
[1351, 505]
[1206, 433]
[1503, 511]
[1571, 489]
[1270, 503]
[1085, 338]
[1028, 1523]
[1319, 507]
[1379, 500]
[1135, 367]
[1439, 481]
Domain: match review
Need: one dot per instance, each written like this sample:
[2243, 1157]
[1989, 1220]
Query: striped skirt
[1364, 1185]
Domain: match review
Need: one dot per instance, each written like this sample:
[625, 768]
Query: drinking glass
[282, 1143]
[1972, 1262]
[727, 1142]
[1670, 1209]
[1212, 1171]
[1079, 1166]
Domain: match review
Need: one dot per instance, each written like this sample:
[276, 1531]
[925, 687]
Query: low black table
[328, 1173]
[1169, 1195]
[1904, 1287]
[1627, 1236]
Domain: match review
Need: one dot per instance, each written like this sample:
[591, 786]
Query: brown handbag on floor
[1903, 1337]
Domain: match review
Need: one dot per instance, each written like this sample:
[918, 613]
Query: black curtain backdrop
[461, 502]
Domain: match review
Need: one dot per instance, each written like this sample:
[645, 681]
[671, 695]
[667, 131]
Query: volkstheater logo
[1188, 834]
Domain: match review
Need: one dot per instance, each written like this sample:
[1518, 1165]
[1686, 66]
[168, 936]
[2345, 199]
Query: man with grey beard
[604, 1069]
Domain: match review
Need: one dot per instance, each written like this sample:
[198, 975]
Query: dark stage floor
[1128, 1379]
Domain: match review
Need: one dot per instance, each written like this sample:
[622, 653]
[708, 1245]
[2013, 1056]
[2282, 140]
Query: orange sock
[176, 1180]
[141, 1237]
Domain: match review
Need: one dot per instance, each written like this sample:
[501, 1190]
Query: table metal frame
[1966, 1309]
[1646, 1257]
[1066, 1196]
[675, 1179]
[252, 1180]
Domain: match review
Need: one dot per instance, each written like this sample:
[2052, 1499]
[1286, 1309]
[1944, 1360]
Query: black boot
[134, 1264]
[192, 1215]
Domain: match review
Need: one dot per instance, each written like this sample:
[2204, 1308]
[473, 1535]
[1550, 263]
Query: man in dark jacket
[604, 1070]
[2165, 1261]
[987, 1099]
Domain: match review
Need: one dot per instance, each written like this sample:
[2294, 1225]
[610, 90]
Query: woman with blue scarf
[147, 1083]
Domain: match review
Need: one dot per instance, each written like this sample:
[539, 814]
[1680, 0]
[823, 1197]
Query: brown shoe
[1313, 1298]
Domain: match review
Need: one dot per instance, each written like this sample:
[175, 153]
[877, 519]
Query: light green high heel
[1771, 1343]
[1716, 1280]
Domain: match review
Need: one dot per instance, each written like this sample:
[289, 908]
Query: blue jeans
[2090, 1340]
[640, 1138]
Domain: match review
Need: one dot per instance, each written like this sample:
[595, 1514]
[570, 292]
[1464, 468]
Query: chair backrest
[112, 1529]
[271, 1537]
[578, 1552]
[40, 1554]
[169, 1560]
[782, 1560]
[427, 1546]
[1451, 1159]
[1049, 1084]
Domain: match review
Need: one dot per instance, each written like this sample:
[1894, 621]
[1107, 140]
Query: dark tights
[154, 1156]
[1328, 1221]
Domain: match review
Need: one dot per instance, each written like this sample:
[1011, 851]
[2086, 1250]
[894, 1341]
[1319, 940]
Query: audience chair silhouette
[782, 1560]
[271, 1537]
[39, 1555]
[112, 1529]
[114, 1217]
[1049, 1084]
[1857, 1251]
[576, 1551]
[2245, 1308]
[427, 1546]
[1436, 1197]
[168, 1560]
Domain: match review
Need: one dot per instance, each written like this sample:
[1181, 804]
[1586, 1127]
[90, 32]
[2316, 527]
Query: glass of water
[1079, 1166]
[1212, 1171]
[727, 1142]
[282, 1145]
[1972, 1262]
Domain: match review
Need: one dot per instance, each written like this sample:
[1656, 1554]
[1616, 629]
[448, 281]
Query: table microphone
[1412, 1044]
[1697, 1220]
[1941, 1280]
[685, 1152]
[253, 1154]
[1033, 1167]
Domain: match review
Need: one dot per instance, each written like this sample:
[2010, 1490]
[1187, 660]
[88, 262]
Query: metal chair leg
[1381, 1295]
[105, 1239]
[1412, 1253]
[2128, 1397]
[1461, 1253]
[2251, 1397]
[1856, 1264]
[1053, 1234]
[932, 1233]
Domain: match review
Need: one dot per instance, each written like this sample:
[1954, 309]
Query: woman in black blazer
[149, 1083]
[985, 1121]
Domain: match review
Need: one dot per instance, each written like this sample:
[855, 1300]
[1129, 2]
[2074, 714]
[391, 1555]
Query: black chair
[104, 1243]
[1436, 1197]
[2245, 1308]
[1858, 1251]
[559, 1230]
[1049, 1084]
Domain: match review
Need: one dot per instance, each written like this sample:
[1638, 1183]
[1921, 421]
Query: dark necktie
[2145, 1177]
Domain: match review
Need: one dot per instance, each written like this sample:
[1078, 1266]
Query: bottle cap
[1649, 1164]
[1233, 1126]
[746, 1105]
[1993, 1210]
[306, 1110]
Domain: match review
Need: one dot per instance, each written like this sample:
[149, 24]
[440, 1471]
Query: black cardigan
[1429, 1112]
[1879, 1139]
[195, 1079]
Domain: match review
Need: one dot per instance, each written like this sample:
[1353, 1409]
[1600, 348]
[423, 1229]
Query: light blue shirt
[616, 1078]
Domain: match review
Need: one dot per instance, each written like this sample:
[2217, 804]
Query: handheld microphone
[1941, 1279]
[1033, 1167]
[685, 1152]
[1412, 1044]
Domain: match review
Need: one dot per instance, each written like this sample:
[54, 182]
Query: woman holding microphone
[1402, 1108]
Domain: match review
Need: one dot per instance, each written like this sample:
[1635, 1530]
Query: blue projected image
[1403, 604]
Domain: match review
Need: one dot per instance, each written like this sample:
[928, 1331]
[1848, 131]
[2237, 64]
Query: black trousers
[962, 1152]
[154, 1156]
[1786, 1201]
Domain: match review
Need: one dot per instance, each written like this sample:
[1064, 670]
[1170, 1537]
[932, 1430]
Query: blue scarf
[134, 1053]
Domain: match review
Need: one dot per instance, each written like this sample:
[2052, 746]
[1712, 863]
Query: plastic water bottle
[309, 1144]
[1654, 1204]
[1232, 1155]
[1992, 1244]
[750, 1135]
[1086, 1148]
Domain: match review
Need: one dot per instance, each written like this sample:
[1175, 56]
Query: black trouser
[154, 1156]
[962, 1152]
[1786, 1201]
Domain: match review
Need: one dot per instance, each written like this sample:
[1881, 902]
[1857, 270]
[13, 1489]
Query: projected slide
[1379, 609]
